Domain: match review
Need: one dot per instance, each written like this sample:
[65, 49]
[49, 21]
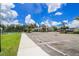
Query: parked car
[58, 30]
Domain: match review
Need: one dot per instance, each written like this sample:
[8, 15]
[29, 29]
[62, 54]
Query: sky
[51, 14]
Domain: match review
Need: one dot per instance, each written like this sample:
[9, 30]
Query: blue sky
[41, 12]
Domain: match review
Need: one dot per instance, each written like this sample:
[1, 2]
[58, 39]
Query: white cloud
[54, 23]
[58, 13]
[3, 15]
[8, 16]
[7, 6]
[50, 23]
[14, 13]
[66, 21]
[53, 6]
[47, 23]
[6, 11]
[29, 20]
[74, 24]
[37, 24]
[4, 22]
[15, 22]
[42, 23]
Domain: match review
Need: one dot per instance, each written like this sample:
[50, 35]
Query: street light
[0, 37]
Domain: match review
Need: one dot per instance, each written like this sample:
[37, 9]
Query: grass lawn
[9, 44]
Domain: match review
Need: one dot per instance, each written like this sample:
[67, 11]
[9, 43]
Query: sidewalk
[29, 48]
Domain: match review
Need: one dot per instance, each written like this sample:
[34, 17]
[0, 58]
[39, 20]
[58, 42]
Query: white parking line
[46, 43]
[57, 50]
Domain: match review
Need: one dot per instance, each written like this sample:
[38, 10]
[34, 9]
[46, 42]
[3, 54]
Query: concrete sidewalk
[29, 48]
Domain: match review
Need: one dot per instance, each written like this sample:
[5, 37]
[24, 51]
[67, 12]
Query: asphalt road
[56, 44]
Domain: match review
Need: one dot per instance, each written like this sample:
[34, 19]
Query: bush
[76, 31]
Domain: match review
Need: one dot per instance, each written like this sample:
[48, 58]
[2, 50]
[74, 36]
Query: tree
[77, 18]
[64, 27]
[54, 28]
[43, 28]
[2, 26]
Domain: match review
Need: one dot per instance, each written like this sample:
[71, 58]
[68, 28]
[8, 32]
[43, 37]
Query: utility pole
[0, 37]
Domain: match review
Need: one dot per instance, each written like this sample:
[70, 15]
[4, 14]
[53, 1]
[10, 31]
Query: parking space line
[57, 50]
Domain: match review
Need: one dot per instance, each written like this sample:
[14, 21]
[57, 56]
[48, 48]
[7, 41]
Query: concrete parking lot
[56, 44]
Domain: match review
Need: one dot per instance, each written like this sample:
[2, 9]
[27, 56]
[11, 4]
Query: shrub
[76, 31]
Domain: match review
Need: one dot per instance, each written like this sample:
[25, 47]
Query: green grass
[9, 44]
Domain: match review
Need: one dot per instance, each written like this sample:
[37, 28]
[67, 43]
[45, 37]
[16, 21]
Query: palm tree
[29, 28]
[64, 27]
[43, 28]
